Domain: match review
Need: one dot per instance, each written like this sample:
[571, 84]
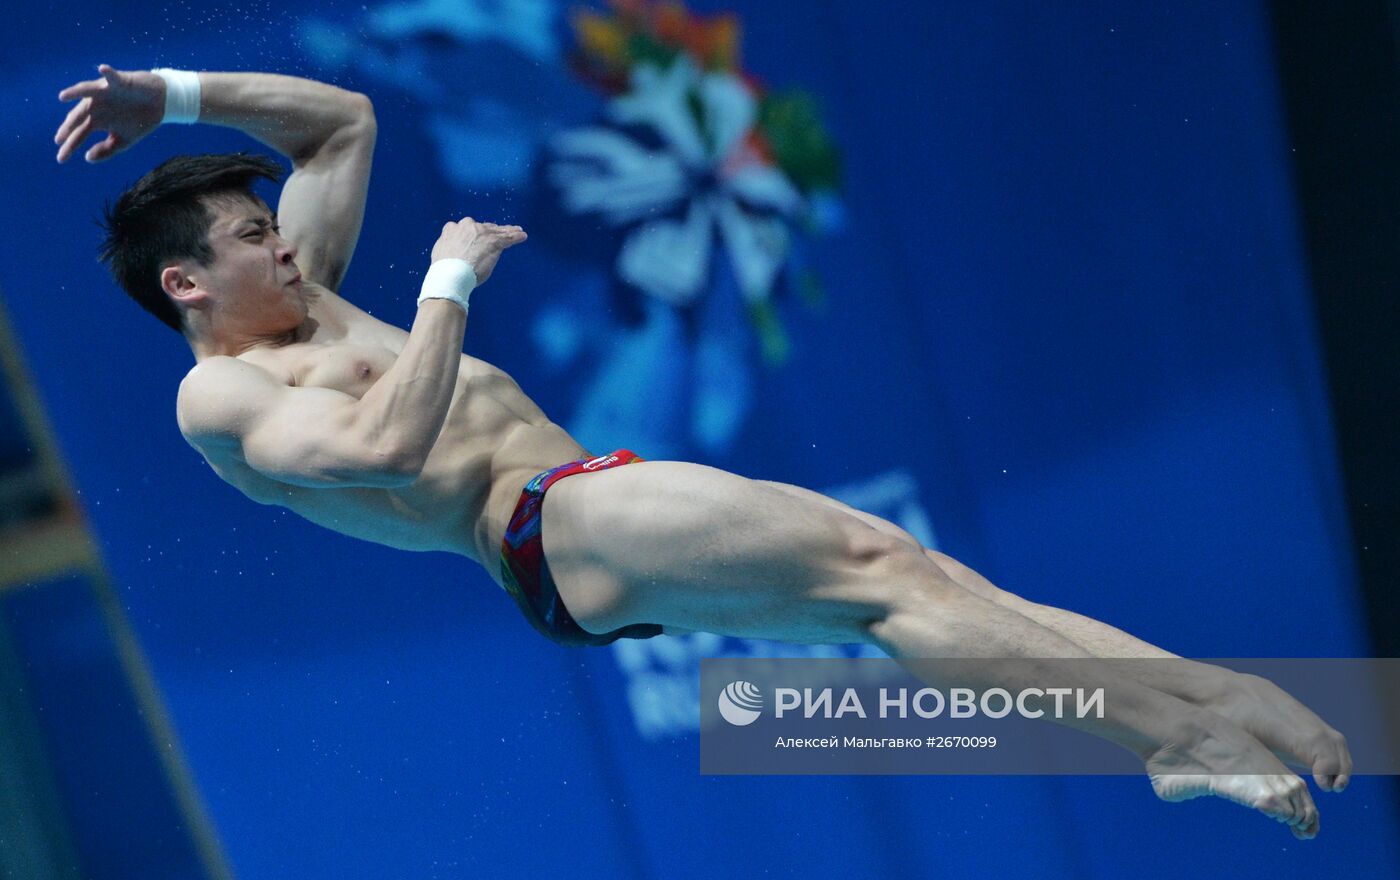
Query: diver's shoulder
[214, 375]
[218, 392]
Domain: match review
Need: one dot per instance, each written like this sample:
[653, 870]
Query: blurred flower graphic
[692, 154]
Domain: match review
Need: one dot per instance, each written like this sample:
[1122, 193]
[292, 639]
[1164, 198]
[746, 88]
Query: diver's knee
[969, 580]
[897, 576]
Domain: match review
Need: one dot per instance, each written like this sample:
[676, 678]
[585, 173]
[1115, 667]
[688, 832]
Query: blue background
[1068, 299]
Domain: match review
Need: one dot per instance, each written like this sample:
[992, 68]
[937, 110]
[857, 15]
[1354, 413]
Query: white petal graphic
[668, 258]
[729, 110]
[764, 186]
[659, 99]
[757, 248]
[598, 169]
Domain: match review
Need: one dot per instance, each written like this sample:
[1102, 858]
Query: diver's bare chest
[341, 366]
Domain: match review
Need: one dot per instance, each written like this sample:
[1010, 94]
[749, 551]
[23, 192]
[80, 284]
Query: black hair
[166, 216]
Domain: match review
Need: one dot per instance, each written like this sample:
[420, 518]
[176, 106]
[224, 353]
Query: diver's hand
[128, 105]
[480, 244]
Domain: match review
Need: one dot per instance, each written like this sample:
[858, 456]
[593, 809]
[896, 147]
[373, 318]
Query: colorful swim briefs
[526, 573]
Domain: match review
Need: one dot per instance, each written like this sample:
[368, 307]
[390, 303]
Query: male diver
[300, 399]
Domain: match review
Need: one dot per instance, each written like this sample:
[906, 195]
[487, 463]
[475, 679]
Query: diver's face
[253, 269]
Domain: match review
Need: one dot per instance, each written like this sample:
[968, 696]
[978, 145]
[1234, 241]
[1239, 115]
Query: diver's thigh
[695, 547]
[870, 519]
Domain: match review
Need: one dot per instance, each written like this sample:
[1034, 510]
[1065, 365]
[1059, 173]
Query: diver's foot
[1291, 730]
[1216, 758]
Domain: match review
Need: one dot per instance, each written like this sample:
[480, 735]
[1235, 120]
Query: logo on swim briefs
[599, 462]
[740, 703]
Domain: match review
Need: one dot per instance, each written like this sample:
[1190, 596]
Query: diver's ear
[182, 287]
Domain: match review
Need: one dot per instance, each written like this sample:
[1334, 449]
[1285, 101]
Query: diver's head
[193, 244]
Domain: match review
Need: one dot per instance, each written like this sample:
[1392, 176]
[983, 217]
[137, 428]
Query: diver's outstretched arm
[327, 132]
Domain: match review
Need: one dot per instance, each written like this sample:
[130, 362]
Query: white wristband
[181, 95]
[449, 278]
